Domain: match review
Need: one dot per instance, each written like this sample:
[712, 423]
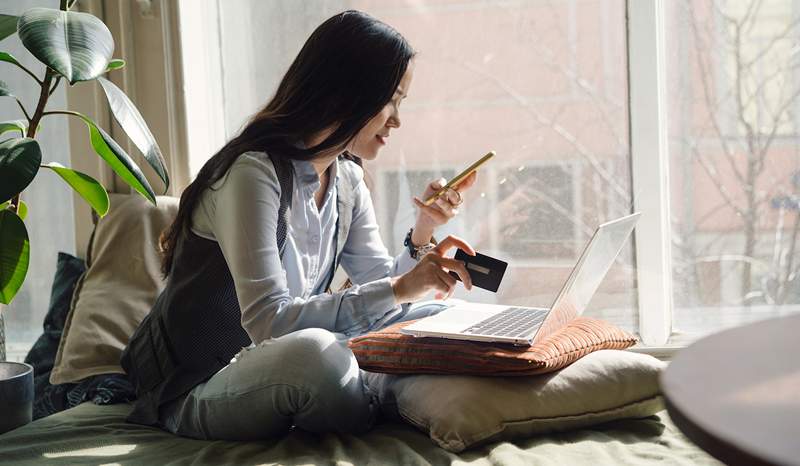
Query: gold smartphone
[459, 178]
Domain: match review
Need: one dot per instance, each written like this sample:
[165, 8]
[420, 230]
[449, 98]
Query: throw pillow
[118, 289]
[459, 411]
[390, 351]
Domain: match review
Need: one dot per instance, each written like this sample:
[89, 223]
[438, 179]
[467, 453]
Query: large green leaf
[19, 163]
[132, 122]
[14, 254]
[118, 159]
[89, 189]
[14, 125]
[8, 25]
[77, 45]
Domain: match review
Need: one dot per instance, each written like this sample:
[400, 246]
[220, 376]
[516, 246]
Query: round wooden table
[736, 394]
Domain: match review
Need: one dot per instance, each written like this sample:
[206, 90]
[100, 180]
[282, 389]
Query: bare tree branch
[560, 130]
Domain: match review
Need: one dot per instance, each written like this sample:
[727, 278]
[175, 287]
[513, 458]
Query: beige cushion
[118, 289]
[390, 351]
[459, 411]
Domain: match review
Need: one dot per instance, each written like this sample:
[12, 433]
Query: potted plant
[73, 47]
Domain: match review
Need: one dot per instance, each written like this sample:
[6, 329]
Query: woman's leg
[308, 379]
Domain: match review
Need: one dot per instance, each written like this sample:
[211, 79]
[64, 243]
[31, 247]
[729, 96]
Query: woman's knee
[307, 358]
[323, 356]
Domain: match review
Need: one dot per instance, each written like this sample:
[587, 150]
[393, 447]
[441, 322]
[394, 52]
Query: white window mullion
[650, 168]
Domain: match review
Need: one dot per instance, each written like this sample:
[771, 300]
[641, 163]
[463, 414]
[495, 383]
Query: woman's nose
[394, 120]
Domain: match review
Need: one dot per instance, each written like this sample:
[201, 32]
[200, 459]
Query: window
[393, 201]
[48, 198]
[537, 208]
[733, 111]
[542, 83]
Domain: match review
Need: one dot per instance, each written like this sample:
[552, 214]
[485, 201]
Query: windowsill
[696, 323]
[664, 353]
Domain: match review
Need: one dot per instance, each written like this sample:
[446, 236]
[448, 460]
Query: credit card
[486, 272]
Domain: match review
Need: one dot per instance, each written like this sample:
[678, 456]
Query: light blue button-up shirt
[281, 295]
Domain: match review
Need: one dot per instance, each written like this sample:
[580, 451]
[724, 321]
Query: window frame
[649, 155]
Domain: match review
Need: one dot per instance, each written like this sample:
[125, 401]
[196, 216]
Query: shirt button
[314, 238]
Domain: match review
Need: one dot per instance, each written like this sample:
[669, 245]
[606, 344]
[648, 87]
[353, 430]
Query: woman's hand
[441, 211]
[430, 273]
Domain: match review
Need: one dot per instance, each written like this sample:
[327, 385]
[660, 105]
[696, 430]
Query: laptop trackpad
[455, 319]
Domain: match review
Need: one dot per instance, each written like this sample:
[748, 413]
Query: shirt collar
[307, 175]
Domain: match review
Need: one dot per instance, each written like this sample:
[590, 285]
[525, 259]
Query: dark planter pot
[16, 395]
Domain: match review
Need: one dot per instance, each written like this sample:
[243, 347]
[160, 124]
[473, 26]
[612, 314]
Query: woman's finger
[432, 211]
[453, 242]
[450, 282]
[468, 182]
[453, 198]
[439, 284]
[445, 208]
[456, 266]
[434, 186]
[446, 279]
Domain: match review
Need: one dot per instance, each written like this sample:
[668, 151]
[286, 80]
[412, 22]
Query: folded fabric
[390, 351]
[459, 412]
[103, 389]
[119, 287]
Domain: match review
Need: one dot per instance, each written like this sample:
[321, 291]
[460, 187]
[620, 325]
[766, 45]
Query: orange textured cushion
[392, 352]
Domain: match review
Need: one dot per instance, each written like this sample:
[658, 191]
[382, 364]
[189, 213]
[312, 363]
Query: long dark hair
[343, 76]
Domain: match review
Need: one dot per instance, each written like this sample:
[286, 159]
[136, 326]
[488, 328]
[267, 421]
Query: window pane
[542, 83]
[735, 171]
[50, 221]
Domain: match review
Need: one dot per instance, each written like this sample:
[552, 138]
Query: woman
[256, 241]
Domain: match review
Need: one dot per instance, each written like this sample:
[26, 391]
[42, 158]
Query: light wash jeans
[307, 379]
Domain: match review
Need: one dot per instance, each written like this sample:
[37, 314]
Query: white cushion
[121, 283]
[460, 411]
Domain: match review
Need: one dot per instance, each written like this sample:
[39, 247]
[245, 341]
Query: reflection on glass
[735, 170]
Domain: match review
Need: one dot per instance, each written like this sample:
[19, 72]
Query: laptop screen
[594, 263]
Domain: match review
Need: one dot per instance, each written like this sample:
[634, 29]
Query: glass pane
[735, 172]
[542, 83]
[50, 221]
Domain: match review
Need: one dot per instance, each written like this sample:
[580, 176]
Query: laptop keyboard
[512, 322]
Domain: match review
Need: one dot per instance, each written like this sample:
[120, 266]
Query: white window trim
[650, 168]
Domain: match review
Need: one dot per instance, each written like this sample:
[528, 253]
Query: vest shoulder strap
[285, 174]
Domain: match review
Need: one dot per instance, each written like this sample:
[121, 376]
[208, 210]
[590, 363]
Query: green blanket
[90, 434]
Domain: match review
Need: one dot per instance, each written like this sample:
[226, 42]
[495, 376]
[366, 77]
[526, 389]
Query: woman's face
[373, 136]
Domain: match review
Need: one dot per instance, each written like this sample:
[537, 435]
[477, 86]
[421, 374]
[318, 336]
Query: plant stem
[34, 122]
[43, 96]
[55, 86]
[27, 117]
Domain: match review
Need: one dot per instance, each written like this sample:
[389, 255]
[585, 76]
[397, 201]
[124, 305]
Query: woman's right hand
[430, 273]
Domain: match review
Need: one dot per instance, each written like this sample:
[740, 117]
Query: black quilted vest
[194, 327]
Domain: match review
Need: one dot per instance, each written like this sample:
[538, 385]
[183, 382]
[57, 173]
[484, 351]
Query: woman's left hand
[443, 209]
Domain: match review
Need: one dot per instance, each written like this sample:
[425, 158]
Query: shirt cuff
[377, 303]
[404, 262]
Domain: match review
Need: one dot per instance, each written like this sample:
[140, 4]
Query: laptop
[529, 325]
